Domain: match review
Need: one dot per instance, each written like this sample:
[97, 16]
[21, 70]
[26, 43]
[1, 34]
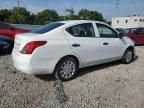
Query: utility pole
[117, 7]
[117, 4]
[18, 3]
[18, 8]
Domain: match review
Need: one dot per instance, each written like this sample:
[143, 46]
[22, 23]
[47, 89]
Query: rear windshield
[47, 28]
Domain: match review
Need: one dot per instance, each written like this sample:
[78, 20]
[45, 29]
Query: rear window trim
[80, 24]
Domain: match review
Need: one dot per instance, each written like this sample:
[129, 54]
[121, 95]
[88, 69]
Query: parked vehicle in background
[136, 34]
[61, 48]
[6, 45]
[9, 30]
[121, 30]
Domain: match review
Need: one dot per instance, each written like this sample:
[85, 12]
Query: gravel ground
[112, 85]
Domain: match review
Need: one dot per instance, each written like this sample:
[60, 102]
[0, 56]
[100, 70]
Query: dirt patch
[60, 93]
[112, 85]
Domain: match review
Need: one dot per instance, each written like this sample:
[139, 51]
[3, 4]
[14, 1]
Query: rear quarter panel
[56, 47]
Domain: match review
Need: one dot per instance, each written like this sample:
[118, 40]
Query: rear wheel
[128, 56]
[66, 69]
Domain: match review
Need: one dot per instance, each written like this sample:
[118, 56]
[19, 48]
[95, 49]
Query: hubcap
[129, 56]
[67, 69]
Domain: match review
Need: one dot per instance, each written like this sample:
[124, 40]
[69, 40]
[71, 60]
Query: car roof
[79, 21]
[71, 22]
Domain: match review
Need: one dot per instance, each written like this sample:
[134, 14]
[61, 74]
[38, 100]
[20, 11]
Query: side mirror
[121, 35]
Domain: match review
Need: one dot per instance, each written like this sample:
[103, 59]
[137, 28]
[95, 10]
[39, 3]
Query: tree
[70, 15]
[108, 22]
[46, 16]
[90, 15]
[19, 15]
[70, 12]
[32, 18]
[4, 15]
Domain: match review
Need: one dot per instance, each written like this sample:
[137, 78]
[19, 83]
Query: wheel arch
[129, 47]
[76, 58]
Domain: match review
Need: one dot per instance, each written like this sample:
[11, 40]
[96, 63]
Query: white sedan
[61, 48]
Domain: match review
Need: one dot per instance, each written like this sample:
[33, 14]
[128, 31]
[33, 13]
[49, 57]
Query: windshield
[47, 28]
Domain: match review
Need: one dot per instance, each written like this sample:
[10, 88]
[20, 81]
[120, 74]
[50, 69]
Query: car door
[6, 30]
[84, 43]
[139, 36]
[112, 47]
[133, 35]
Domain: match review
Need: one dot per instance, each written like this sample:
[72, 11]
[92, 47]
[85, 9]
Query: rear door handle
[76, 45]
[105, 43]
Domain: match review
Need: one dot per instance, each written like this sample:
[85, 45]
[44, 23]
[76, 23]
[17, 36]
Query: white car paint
[59, 44]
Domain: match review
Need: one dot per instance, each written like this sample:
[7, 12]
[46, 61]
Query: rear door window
[82, 30]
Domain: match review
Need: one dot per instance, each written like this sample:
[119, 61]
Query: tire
[10, 47]
[66, 69]
[128, 56]
[7, 49]
[4, 47]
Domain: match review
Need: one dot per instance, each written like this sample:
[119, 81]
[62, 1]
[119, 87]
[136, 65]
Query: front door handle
[105, 43]
[76, 45]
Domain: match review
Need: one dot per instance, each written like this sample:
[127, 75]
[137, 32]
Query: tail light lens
[31, 46]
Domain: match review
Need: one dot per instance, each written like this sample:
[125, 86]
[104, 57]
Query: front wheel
[128, 56]
[66, 69]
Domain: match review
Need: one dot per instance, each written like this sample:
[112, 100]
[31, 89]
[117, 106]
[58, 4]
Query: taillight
[31, 46]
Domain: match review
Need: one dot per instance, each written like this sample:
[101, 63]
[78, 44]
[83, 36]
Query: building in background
[128, 22]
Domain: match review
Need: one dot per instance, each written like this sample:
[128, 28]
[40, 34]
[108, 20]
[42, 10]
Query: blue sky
[106, 7]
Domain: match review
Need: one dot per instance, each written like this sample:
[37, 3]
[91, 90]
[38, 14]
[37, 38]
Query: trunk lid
[21, 40]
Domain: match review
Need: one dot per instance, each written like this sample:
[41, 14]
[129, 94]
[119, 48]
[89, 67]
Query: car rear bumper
[26, 64]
